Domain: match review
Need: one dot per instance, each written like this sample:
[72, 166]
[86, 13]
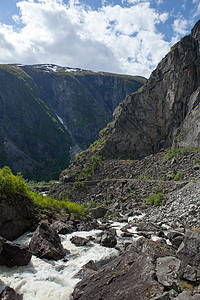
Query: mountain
[166, 112]
[49, 113]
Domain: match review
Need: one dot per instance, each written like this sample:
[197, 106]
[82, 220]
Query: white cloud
[180, 28]
[113, 39]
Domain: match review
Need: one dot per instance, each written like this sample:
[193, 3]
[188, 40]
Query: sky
[117, 36]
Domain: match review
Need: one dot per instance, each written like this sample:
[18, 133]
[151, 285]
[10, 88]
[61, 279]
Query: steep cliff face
[48, 113]
[84, 101]
[29, 132]
[166, 111]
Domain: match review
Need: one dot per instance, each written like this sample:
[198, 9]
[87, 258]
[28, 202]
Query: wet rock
[9, 294]
[175, 238]
[108, 240]
[129, 276]
[143, 226]
[88, 225]
[17, 216]
[79, 241]
[88, 269]
[46, 243]
[14, 254]
[63, 228]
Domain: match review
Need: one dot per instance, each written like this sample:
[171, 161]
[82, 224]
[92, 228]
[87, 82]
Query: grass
[186, 286]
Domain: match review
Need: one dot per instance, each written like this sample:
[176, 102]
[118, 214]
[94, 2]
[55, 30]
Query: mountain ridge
[46, 117]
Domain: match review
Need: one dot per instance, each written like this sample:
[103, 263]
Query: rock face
[14, 254]
[44, 106]
[147, 270]
[166, 109]
[129, 276]
[46, 243]
[17, 215]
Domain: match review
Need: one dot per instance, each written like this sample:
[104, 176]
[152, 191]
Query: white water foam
[49, 280]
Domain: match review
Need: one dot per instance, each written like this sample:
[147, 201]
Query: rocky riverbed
[153, 254]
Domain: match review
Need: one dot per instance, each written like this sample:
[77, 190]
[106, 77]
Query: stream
[45, 279]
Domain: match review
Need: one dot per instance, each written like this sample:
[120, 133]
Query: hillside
[144, 173]
[49, 113]
[167, 109]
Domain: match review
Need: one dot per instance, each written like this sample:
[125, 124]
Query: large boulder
[17, 216]
[79, 241]
[108, 240]
[9, 294]
[98, 212]
[63, 228]
[46, 243]
[129, 276]
[189, 253]
[167, 272]
[14, 254]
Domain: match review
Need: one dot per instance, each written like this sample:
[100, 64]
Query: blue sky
[119, 36]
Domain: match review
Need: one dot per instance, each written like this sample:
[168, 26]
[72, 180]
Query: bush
[78, 184]
[156, 199]
[11, 185]
[175, 151]
[178, 176]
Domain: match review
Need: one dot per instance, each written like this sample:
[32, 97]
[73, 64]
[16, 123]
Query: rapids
[45, 279]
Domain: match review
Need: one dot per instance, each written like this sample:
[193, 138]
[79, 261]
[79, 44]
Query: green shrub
[107, 214]
[177, 176]
[15, 184]
[155, 199]
[175, 151]
[11, 184]
[78, 184]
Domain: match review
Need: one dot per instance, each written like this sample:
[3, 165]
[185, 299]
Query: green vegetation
[197, 161]
[87, 172]
[97, 144]
[177, 176]
[155, 199]
[186, 285]
[107, 214]
[78, 184]
[173, 152]
[11, 185]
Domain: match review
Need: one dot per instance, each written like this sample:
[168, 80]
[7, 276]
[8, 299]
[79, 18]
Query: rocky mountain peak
[166, 111]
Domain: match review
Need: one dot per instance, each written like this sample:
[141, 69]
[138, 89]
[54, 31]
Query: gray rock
[167, 272]
[17, 216]
[98, 212]
[129, 276]
[79, 241]
[9, 294]
[108, 240]
[175, 238]
[184, 296]
[14, 254]
[62, 227]
[46, 243]
[190, 273]
[189, 250]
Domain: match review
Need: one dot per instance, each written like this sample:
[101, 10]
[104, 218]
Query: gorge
[140, 186]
